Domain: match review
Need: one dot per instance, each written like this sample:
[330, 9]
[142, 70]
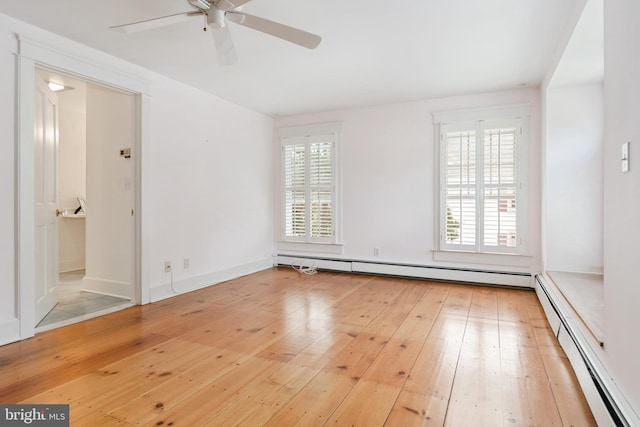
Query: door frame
[32, 55]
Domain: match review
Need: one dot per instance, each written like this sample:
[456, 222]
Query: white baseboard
[414, 271]
[322, 264]
[166, 290]
[607, 403]
[71, 265]
[108, 287]
[9, 331]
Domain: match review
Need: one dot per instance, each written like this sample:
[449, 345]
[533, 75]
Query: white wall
[208, 171]
[389, 199]
[72, 168]
[622, 195]
[72, 105]
[212, 188]
[573, 187]
[572, 113]
[110, 192]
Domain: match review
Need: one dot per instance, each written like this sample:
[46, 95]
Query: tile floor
[77, 304]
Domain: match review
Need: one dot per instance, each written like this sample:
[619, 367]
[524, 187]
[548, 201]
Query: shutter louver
[295, 220]
[294, 190]
[321, 177]
[460, 180]
[500, 187]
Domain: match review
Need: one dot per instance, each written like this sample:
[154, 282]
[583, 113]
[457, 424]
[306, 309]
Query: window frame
[306, 135]
[475, 119]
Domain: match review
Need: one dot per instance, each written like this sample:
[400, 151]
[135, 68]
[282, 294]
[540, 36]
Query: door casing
[32, 55]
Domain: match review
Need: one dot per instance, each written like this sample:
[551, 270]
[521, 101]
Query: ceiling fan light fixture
[215, 18]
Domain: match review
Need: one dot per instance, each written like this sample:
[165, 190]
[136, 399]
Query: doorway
[90, 66]
[93, 180]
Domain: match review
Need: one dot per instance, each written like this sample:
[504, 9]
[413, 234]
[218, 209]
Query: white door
[46, 199]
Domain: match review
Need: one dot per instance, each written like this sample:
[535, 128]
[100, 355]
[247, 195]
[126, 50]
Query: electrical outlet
[376, 251]
[186, 263]
[167, 266]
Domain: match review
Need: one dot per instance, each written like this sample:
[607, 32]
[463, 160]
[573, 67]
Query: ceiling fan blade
[225, 48]
[150, 24]
[276, 29]
[229, 4]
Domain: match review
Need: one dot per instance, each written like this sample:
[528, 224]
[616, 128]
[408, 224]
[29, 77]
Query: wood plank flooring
[280, 348]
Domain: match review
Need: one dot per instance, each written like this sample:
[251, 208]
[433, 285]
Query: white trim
[25, 216]
[487, 113]
[305, 135]
[9, 331]
[142, 215]
[553, 318]
[71, 265]
[446, 274]
[86, 69]
[598, 409]
[324, 264]
[33, 54]
[112, 288]
[516, 116]
[308, 130]
[488, 277]
[166, 290]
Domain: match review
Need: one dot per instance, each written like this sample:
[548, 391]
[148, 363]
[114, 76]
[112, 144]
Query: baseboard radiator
[608, 405]
[499, 278]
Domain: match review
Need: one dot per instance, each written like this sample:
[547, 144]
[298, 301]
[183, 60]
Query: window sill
[511, 260]
[329, 248]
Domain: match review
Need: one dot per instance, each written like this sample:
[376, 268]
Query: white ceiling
[372, 51]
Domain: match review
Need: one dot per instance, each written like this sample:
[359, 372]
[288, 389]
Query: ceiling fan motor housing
[215, 18]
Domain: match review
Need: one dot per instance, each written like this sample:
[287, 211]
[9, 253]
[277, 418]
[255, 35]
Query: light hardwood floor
[280, 348]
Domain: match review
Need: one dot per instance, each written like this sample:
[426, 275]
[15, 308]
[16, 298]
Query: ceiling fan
[216, 13]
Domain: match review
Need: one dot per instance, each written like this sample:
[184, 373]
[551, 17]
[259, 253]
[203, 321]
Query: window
[482, 201]
[310, 183]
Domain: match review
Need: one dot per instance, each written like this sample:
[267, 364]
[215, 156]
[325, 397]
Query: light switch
[625, 157]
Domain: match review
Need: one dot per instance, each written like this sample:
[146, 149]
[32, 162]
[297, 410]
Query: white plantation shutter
[321, 186]
[309, 188]
[481, 185]
[460, 193]
[294, 189]
[500, 187]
